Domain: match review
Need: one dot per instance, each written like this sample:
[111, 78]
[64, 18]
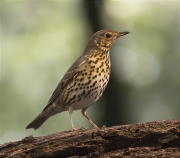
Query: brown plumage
[85, 80]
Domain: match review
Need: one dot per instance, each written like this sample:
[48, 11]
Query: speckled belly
[88, 85]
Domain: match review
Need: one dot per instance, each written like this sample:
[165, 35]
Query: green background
[41, 39]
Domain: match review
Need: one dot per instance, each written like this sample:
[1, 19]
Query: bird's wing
[72, 71]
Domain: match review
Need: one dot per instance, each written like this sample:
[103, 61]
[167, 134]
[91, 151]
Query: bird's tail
[37, 122]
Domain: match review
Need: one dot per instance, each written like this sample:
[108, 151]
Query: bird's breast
[90, 82]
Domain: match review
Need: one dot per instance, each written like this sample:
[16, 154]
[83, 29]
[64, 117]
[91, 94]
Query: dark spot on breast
[88, 92]
[71, 100]
[102, 70]
[99, 74]
[94, 83]
[104, 84]
[102, 63]
[92, 67]
[83, 93]
[81, 79]
[96, 60]
[79, 99]
[101, 54]
[95, 76]
[76, 89]
[89, 82]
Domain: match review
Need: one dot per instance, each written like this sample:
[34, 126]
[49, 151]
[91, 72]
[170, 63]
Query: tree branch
[136, 140]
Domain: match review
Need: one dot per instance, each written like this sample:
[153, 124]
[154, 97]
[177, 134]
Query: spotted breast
[89, 83]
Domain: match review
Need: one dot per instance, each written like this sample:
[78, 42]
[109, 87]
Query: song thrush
[85, 80]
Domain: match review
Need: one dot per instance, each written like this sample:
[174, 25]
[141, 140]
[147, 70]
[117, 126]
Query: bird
[85, 80]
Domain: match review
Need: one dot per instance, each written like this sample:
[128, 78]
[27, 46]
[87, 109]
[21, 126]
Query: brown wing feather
[67, 78]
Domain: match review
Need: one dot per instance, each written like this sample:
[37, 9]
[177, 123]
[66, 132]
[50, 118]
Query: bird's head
[105, 38]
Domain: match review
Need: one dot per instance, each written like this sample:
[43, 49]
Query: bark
[153, 139]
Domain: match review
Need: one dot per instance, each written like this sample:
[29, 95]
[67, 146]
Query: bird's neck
[104, 49]
[99, 57]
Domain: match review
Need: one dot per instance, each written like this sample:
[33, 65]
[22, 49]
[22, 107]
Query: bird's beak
[123, 33]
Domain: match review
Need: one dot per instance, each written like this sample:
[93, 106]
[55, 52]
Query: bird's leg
[70, 112]
[84, 113]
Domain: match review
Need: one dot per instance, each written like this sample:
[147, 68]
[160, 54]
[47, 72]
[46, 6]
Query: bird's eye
[108, 35]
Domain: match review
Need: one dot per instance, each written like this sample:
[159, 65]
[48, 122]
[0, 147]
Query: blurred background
[40, 40]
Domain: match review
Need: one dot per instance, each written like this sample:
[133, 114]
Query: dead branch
[154, 139]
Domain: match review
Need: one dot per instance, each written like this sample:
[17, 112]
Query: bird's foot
[73, 129]
[95, 127]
